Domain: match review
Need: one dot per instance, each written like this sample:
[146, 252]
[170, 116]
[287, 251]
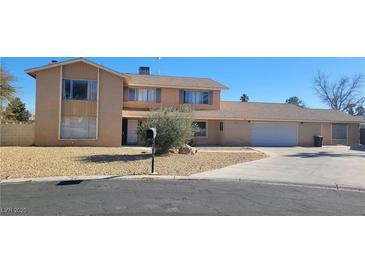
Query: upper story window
[143, 94]
[196, 97]
[79, 90]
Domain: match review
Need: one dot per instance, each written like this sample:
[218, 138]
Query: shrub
[174, 128]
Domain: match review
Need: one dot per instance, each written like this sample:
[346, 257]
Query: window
[196, 97]
[339, 131]
[200, 129]
[220, 126]
[79, 90]
[142, 94]
[78, 128]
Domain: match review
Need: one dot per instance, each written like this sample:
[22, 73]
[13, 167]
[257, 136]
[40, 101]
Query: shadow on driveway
[324, 154]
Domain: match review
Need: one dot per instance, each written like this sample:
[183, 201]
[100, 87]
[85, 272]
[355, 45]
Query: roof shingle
[264, 112]
[173, 82]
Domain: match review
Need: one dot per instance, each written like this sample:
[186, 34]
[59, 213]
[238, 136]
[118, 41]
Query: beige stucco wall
[213, 134]
[17, 134]
[353, 134]
[235, 133]
[110, 115]
[170, 97]
[48, 106]
[306, 131]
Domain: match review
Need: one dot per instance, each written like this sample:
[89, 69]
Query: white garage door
[274, 134]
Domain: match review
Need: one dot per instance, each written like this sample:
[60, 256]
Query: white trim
[31, 71]
[97, 104]
[60, 104]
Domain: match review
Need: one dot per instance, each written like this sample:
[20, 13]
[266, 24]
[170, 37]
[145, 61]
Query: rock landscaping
[27, 162]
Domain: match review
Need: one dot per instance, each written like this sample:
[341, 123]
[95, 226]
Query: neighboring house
[81, 103]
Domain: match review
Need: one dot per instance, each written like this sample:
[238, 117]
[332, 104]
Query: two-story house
[81, 103]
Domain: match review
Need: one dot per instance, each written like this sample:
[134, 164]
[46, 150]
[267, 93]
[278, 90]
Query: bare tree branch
[341, 95]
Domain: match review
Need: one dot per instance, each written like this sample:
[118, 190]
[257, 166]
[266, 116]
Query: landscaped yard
[26, 162]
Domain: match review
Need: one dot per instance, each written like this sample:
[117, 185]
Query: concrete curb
[53, 179]
[146, 178]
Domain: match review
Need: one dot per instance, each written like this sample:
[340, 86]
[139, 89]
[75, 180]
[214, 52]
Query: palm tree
[244, 98]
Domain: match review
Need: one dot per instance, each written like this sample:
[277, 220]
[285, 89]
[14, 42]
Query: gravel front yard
[26, 162]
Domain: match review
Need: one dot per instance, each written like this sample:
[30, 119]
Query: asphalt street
[177, 197]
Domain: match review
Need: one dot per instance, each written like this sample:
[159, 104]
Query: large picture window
[79, 90]
[339, 131]
[196, 97]
[200, 129]
[142, 94]
[78, 127]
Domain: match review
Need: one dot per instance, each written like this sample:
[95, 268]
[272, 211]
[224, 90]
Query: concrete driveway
[329, 165]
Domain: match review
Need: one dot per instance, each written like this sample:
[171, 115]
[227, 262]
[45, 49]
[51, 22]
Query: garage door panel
[274, 134]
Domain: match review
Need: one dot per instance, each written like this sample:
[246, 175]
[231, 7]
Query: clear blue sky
[263, 79]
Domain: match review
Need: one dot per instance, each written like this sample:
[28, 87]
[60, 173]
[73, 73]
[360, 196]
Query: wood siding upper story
[80, 71]
[79, 108]
[170, 97]
[106, 109]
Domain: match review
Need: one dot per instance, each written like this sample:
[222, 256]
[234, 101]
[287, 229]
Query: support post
[153, 156]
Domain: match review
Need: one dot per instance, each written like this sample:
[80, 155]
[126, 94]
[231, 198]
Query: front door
[132, 132]
[124, 131]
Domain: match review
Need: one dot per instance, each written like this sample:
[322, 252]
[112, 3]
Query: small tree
[16, 111]
[355, 110]
[244, 98]
[360, 111]
[7, 90]
[295, 101]
[175, 128]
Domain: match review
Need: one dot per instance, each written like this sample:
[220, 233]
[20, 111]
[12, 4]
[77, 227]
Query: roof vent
[144, 70]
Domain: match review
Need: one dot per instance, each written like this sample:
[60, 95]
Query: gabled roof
[264, 112]
[143, 80]
[33, 71]
[173, 82]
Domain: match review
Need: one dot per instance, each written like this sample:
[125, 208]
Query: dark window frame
[203, 100]
[201, 129]
[343, 134]
[68, 90]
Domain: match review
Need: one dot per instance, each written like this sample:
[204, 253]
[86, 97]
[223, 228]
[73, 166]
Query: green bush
[174, 127]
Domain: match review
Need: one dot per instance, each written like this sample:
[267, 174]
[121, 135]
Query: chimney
[144, 70]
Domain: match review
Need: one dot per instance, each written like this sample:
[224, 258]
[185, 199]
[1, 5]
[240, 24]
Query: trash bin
[318, 140]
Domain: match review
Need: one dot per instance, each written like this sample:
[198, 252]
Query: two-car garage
[274, 134]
